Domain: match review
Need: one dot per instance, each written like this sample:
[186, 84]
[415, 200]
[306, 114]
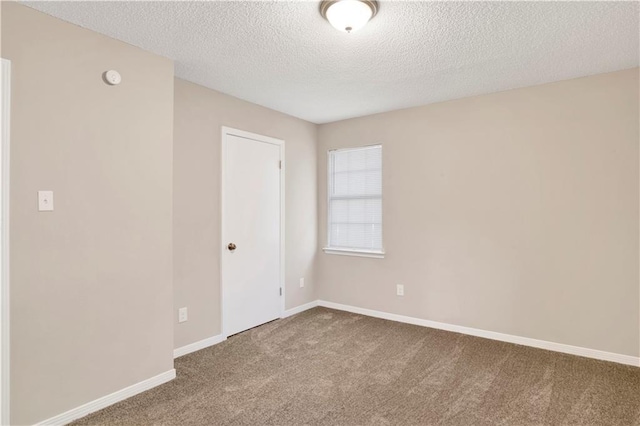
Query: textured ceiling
[283, 55]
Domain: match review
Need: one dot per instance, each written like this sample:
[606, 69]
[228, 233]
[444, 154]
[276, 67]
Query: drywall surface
[91, 296]
[515, 212]
[200, 114]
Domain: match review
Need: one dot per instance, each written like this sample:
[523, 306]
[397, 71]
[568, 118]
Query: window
[355, 201]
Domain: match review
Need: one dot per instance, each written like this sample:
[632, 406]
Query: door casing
[228, 131]
[5, 82]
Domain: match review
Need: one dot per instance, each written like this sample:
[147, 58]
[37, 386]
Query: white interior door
[251, 230]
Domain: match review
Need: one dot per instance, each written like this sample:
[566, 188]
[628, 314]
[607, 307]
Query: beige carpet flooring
[326, 367]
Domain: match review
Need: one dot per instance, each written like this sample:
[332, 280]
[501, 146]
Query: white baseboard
[205, 343]
[299, 309]
[105, 401]
[526, 341]
[214, 340]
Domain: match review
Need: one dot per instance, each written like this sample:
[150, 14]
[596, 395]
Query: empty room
[328, 212]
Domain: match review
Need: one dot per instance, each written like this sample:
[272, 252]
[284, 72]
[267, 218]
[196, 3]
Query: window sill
[353, 252]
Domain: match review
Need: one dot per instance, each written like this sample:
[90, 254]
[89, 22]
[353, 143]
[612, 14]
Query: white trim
[253, 136]
[354, 252]
[356, 148]
[5, 111]
[201, 344]
[526, 341]
[261, 138]
[105, 401]
[298, 309]
[283, 283]
[223, 153]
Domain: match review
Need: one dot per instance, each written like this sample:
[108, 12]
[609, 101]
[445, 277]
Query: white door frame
[226, 132]
[5, 83]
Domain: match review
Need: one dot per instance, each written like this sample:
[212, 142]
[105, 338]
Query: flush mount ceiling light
[348, 15]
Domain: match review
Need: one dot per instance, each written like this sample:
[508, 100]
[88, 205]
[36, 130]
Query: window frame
[377, 254]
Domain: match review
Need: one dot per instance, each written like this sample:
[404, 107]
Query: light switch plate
[182, 315]
[45, 201]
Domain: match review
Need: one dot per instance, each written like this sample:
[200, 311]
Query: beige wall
[91, 296]
[515, 212]
[199, 115]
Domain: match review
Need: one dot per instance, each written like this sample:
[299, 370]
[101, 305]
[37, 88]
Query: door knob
[231, 247]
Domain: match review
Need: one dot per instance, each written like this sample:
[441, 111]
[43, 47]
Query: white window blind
[355, 199]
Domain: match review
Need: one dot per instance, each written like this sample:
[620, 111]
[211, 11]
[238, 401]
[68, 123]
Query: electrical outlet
[301, 282]
[182, 315]
[400, 290]
[45, 201]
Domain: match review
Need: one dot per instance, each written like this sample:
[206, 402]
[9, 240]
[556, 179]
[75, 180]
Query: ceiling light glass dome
[348, 15]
